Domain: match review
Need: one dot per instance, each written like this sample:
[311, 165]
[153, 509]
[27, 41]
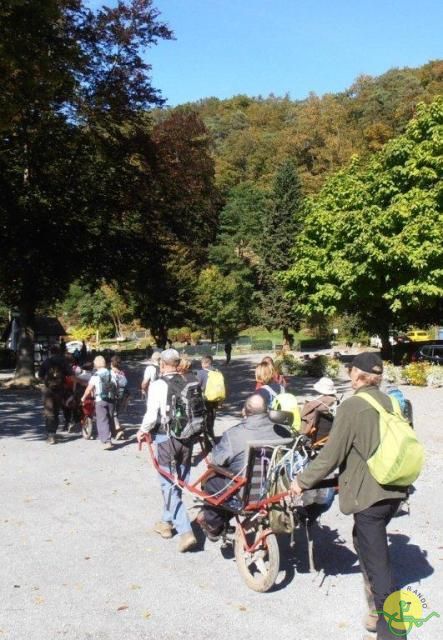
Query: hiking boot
[370, 622]
[163, 528]
[187, 540]
[370, 619]
[120, 434]
[108, 446]
[51, 439]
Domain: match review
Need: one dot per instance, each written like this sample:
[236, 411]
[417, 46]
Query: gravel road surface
[80, 559]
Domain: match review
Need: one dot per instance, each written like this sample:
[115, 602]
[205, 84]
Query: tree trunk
[160, 336]
[24, 372]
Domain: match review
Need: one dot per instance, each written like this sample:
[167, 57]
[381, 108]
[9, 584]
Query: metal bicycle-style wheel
[87, 428]
[259, 568]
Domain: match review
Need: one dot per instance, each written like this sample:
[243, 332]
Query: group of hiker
[181, 408]
[355, 439]
[68, 386]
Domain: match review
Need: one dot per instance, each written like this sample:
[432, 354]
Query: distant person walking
[213, 389]
[103, 388]
[228, 351]
[53, 371]
[151, 373]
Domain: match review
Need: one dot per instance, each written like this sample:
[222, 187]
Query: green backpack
[399, 458]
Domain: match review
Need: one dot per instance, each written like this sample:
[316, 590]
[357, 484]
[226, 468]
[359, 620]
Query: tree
[218, 304]
[282, 224]
[75, 94]
[369, 243]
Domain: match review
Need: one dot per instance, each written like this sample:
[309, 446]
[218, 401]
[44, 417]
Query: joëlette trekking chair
[253, 502]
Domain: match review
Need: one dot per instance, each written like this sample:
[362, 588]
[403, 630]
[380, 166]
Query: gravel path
[80, 559]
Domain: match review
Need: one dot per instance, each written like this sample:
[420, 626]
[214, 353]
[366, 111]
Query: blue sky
[258, 47]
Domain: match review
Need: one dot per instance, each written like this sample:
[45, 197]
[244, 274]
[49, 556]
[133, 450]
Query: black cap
[369, 362]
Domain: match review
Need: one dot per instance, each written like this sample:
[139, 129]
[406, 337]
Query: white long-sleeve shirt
[156, 405]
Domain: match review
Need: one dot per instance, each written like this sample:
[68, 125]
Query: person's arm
[153, 408]
[88, 391]
[331, 456]
[221, 454]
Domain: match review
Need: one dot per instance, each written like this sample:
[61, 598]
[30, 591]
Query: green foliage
[416, 374]
[218, 302]
[283, 221]
[288, 364]
[319, 366]
[81, 333]
[369, 240]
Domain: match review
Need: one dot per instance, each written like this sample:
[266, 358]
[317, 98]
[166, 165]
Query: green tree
[218, 304]
[370, 241]
[283, 222]
[75, 95]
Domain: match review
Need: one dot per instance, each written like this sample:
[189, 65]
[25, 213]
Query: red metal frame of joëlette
[236, 482]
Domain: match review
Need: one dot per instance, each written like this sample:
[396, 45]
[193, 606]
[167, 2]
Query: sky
[258, 47]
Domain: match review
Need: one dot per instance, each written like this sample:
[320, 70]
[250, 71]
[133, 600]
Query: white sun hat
[325, 387]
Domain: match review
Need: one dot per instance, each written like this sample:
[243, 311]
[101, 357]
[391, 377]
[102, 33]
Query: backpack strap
[378, 407]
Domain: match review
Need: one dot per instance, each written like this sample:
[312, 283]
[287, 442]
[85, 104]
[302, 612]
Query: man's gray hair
[170, 356]
[255, 405]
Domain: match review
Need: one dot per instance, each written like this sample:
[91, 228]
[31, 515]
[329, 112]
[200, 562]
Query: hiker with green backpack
[378, 457]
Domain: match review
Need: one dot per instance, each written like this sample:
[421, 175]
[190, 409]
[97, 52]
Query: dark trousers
[52, 405]
[371, 544]
[211, 408]
[216, 517]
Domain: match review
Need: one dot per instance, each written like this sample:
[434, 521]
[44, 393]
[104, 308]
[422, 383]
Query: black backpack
[55, 377]
[185, 407]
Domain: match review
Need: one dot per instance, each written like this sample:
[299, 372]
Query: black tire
[260, 569]
[87, 428]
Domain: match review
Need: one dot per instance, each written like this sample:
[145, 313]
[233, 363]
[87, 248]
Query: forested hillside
[253, 136]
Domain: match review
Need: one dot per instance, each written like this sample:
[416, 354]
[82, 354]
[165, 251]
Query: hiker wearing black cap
[354, 437]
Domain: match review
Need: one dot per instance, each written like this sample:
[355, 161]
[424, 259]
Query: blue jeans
[173, 457]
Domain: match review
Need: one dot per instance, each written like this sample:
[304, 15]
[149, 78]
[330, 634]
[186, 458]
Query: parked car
[429, 353]
[394, 338]
[418, 335]
[73, 345]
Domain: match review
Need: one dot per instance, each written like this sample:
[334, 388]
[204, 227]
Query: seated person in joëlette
[230, 453]
[326, 402]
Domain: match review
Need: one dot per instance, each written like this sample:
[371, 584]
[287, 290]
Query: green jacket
[353, 439]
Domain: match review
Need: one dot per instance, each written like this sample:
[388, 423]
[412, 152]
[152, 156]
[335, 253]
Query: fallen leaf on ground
[39, 600]
[135, 586]
[123, 607]
[146, 615]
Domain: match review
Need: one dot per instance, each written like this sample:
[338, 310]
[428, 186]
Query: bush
[261, 345]
[288, 364]
[322, 366]
[416, 374]
[435, 376]
[391, 373]
[81, 333]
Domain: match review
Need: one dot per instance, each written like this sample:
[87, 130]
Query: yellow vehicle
[419, 335]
